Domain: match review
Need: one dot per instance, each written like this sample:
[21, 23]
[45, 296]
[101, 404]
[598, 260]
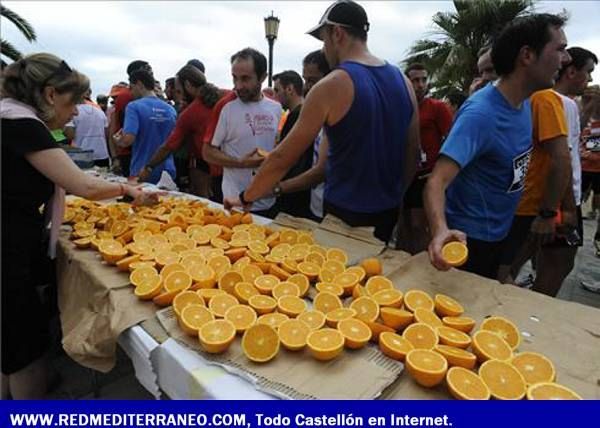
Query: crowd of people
[504, 168]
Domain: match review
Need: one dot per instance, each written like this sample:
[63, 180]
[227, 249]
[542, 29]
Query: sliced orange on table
[346, 280]
[378, 283]
[377, 329]
[414, 299]
[216, 336]
[334, 266]
[451, 337]
[262, 304]
[260, 343]
[292, 306]
[455, 253]
[372, 267]
[356, 333]
[334, 317]
[193, 317]
[326, 302]
[389, 298]
[293, 334]
[366, 308]
[457, 356]
[505, 328]
[464, 324]
[203, 276]
[286, 289]
[421, 336]
[273, 319]
[330, 287]
[220, 303]
[243, 317]
[325, 344]
[173, 267]
[394, 346]
[149, 288]
[398, 319]
[184, 299]
[503, 380]
[428, 368]
[446, 306]
[311, 270]
[551, 391]
[466, 385]
[250, 273]
[178, 280]
[228, 280]
[244, 290]
[314, 319]
[208, 293]
[428, 317]
[358, 271]
[490, 346]
[123, 264]
[301, 281]
[338, 255]
[139, 275]
[266, 283]
[534, 367]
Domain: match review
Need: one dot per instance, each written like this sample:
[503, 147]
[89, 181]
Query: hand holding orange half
[455, 253]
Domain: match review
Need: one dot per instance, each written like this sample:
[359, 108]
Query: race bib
[520, 165]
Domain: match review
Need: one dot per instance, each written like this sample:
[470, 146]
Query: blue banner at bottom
[259, 414]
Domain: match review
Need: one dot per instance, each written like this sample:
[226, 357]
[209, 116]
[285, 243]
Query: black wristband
[242, 199]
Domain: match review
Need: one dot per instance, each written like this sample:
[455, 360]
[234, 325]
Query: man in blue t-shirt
[477, 182]
[148, 122]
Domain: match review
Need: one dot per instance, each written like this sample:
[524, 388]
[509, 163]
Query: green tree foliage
[450, 51]
[8, 49]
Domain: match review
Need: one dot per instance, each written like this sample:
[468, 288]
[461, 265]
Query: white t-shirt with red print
[242, 128]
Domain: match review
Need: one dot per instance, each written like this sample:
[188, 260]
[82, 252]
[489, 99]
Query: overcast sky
[100, 38]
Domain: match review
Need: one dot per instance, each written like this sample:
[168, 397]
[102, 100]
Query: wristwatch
[544, 213]
[277, 190]
[242, 199]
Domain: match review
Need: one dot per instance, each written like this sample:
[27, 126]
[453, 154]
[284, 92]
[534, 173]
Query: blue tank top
[366, 147]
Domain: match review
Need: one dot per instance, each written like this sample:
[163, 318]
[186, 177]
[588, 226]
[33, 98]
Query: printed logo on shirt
[260, 124]
[520, 166]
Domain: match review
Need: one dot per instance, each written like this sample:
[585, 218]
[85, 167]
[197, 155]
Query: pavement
[77, 382]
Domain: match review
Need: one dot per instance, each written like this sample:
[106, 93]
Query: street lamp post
[271, 30]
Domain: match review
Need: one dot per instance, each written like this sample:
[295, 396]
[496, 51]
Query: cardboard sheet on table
[358, 242]
[361, 374]
[96, 304]
[568, 333]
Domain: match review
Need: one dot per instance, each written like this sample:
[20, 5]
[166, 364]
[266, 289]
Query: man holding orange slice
[477, 182]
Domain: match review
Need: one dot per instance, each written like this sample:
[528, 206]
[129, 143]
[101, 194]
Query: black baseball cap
[346, 13]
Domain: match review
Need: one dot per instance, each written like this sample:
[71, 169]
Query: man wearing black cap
[369, 112]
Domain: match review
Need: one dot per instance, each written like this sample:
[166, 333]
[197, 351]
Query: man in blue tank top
[369, 112]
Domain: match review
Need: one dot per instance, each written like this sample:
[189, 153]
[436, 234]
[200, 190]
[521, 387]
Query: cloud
[101, 37]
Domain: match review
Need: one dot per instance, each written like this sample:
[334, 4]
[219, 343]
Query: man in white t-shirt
[89, 131]
[247, 123]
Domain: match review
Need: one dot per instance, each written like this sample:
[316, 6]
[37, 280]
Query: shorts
[413, 198]
[484, 258]
[520, 231]
[590, 179]
[383, 221]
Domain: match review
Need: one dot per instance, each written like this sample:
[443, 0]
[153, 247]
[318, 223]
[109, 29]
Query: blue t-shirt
[491, 142]
[151, 120]
[366, 147]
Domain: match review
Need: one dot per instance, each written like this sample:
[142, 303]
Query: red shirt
[217, 170]
[191, 121]
[121, 102]
[435, 119]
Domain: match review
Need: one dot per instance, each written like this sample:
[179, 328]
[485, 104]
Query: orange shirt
[549, 122]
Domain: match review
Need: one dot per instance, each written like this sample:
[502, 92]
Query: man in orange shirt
[548, 225]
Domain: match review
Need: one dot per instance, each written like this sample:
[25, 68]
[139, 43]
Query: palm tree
[450, 54]
[24, 27]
